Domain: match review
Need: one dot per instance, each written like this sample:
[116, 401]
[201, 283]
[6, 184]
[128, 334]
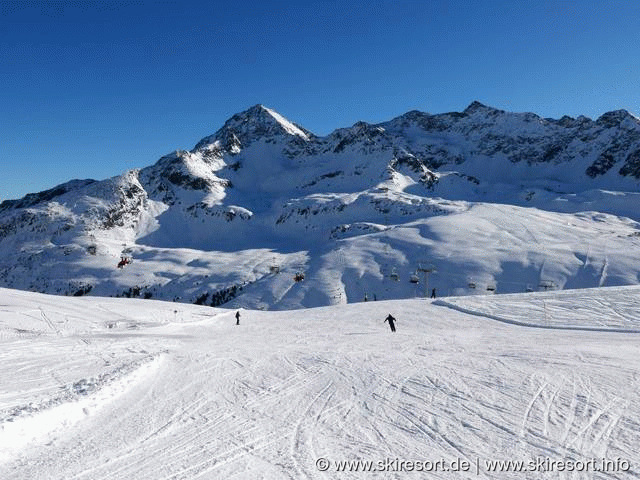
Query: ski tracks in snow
[268, 398]
[569, 417]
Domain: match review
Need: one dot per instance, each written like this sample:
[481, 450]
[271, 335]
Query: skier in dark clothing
[390, 319]
[433, 293]
[238, 317]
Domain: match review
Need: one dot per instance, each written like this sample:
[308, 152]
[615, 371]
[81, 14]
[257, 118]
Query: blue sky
[89, 89]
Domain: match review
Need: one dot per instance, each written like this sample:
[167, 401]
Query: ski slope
[103, 388]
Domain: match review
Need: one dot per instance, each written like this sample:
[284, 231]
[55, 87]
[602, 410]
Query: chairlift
[124, 261]
[298, 277]
[472, 285]
[547, 284]
[414, 278]
[394, 275]
[491, 288]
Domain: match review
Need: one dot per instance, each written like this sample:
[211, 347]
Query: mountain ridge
[227, 134]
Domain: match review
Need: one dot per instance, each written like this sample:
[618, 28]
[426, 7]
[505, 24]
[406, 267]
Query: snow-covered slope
[103, 388]
[471, 202]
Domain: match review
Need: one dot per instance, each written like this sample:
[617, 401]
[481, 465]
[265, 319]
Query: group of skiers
[390, 318]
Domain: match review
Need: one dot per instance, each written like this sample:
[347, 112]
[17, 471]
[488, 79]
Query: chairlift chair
[124, 261]
[547, 284]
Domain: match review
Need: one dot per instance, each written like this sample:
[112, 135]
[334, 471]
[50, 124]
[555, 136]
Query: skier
[390, 319]
[433, 293]
[238, 317]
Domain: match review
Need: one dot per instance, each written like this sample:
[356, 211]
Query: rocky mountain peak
[255, 123]
[476, 107]
[615, 118]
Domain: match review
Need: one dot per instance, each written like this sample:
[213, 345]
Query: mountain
[479, 201]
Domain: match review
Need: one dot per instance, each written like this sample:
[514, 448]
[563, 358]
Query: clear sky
[89, 89]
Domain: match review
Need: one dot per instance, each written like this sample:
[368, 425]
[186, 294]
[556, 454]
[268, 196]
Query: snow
[286, 124]
[99, 388]
[20, 432]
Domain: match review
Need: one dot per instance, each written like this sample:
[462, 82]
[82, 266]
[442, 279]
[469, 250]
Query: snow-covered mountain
[480, 201]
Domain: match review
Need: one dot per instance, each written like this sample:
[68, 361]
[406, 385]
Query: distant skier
[433, 293]
[390, 319]
[238, 317]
